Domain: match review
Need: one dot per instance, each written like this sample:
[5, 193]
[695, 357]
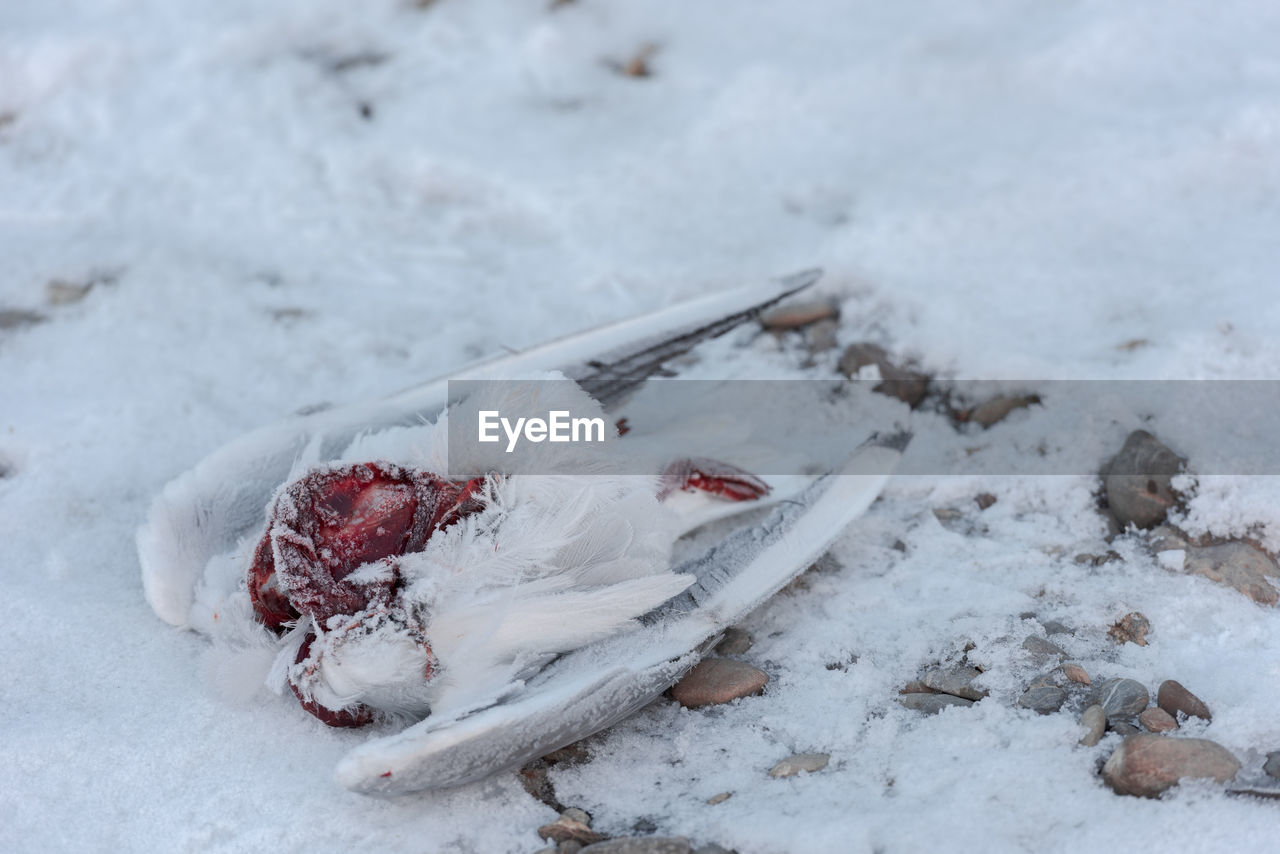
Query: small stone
[998, 408]
[1054, 627]
[720, 798]
[955, 681]
[793, 765]
[1137, 481]
[718, 680]
[565, 829]
[822, 336]
[1042, 648]
[575, 814]
[1043, 699]
[1237, 565]
[734, 642]
[1131, 628]
[1147, 765]
[1076, 673]
[1272, 765]
[797, 314]
[1122, 698]
[1174, 698]
[1124, 728]
[931, 704]
[903, 383]
[1094, 720]
[984, 500]
[16, 318]
[1157, 719]
[641, 845]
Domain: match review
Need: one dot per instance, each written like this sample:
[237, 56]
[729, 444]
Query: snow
[1021, 192]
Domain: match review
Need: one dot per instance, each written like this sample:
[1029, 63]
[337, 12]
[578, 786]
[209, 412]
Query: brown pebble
[718, 680]
[565, 829]
[1174, 698]
[1094, 720]
[1157, 719]
[985, 500]
[1131, 628]
[1146, 765]
[998, 408]
[720, 798]
[1076, 673]
[799, 314]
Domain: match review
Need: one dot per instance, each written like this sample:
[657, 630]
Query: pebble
[903, 383]
[1095, 721]
[1125, 728]
[1076, 673]
[735, 642]
[1054, 627]
[1157, 719]
[641, 845]
[1043, 699]
[1174, 698]
[720, 798]
[931, 704]
[1147, 765]
[793, 765]
[1131, 628]
[1122, 698]
[985, 500]
[797, 314]
[1137, 481]
[1272, 765]
[1237, 565]
[956, 681]
[566, 829]
[718, 680]
[1042, 648]
[998, 408]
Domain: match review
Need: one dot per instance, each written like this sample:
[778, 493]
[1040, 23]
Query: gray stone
[1054, 627]
[907, 385]
[931, 704]
[1156, 719]
[1137, 481]
[956, 681]
[1237, 565]
[1174, 698]
[1272, 765]
[1122, 698]
[1147, 765]
[1042, 648]
[718, 680]
[793, 765]
[1094, 720]
[641, 845]
[735, 642]
[1043, 699]
[1124, 727]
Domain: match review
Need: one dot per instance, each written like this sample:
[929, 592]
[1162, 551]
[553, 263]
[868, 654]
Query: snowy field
[213, 214]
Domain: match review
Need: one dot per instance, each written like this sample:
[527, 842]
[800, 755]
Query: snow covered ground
[277, 205]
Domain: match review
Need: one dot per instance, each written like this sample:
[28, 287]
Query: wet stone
[956, 681]
[1137, 481]
[931, 704]
[1043, 699]
[1122, 698]
[1157, 719]
[1042, 648]
[1147, 765]
[718, 680]
[1174, 698]
[1094, 720]
[1131, 628]
[793, 765]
